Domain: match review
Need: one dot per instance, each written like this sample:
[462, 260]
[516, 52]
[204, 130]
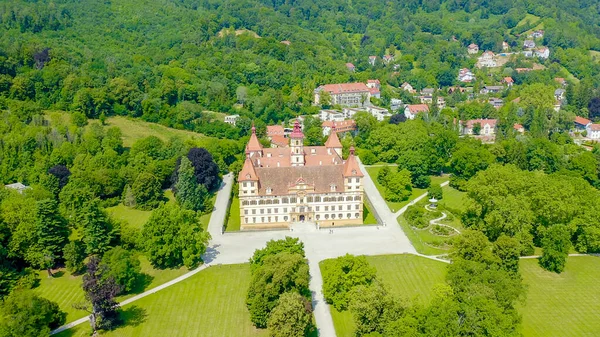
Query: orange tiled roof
[341, 88]
[582, 121]
[351, 168]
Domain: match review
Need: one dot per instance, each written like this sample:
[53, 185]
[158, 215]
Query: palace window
[253, 219]
[253, 211]
[285, 201]
[285, 218]
[245, 212]
[318, 208]
[356, 206]
[349, 207]
[340, 199]
[326, 208]
[262, 211]
[349, 180]
[317, 199]
[318, 216]
[357, 198]
[269, 190]
[333, 216]
[332, 187]
[246, 220]
[309, 199]
[276, 201]
[262, 219]
[261, 202]
[339, 207]
[269, 202]
[269, 219]
[358, 180]
[340, 215]
[326, 216]
[348, 215]
[285, 210]
[245, 183]
[348, 198]
[293, 200]
[275, 210]
[269, 210]
[356, 215]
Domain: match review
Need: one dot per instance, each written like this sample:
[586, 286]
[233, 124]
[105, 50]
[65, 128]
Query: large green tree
[341, 275]
[291, 317]
[189, 194]
[25, 314]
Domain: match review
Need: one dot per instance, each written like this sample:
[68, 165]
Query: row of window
[294, 200]
[269, 219]
[302, 209]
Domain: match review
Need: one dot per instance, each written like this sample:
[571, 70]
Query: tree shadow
[141, 283]
[211, 253]
[58, 274]
[133, 316]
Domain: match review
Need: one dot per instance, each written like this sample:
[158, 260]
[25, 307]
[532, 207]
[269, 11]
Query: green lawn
[209, 304]
[410, 276]
[562, 305]
[395, 206]
[368, 217]
[421, 239]
[233, 223]
[65, 289]
[453, 198]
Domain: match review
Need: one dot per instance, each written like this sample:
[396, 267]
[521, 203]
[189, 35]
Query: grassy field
[410, 276]
[595, 55]
[395, 206]
[209, 304]
[136, 129]
[453, 198]
[562, 305]
[65, 289]
[233, 223]
[421, 239]
[368, 217]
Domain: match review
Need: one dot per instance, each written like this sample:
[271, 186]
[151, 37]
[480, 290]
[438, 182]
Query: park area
[557, 305]
[209, 304]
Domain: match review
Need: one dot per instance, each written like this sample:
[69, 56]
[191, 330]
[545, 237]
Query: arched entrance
[302, 217]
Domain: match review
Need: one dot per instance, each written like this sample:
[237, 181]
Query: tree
[273, 247]
[556, 243]
[98, 230]
[476, 128]
[173, 238]
[74, 254]
[205, 169]
[62, 173]
[279, 273]
[372, 307]
[594, 108]
[128, 197]
[189, 194]
[123, 266]
[435, 191]
[383, 177]
[341, 275]
[147, 191]
[25, 314]
[397, 118]
[100, 291]
[399, 186]
[508, 250]
[291, 316]
[52, 233]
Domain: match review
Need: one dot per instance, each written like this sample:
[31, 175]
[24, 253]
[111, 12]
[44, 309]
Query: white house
[505, 46]
[19, 187]
[345, 94]
[232, 119]
[529, 44]
[407, 87]
[491, 89]
[559, 94]
[486, 60]
[350, 67]
[473, 49]
[395, 104]
[379, 113]
[387, 58]
[331, 115]
[487, 127]
[372, 60]
[374, 87]
[582, 123]
[412, 110]
[542, 52]
[465, 75]
[593, 131]
[496, 102]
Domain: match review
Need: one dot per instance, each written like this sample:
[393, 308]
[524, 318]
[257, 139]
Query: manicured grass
[562, 305]
[453, 198]
[136, 218]
[205, 218]
[233, 223]
[368, 217]
[416, 192]
[421, 238]
[135, 129]
[65, 289]
[409, 276]
[209, 304]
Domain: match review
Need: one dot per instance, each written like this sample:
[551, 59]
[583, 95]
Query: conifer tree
[189, 194]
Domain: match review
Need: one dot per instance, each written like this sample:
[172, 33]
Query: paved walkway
[234, 248]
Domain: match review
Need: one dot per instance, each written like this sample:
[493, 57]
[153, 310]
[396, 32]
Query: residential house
[343, 126]
[538, 34]
[529, 44]
[487, 59]
[388, 58]
[350, 67]
[407, 87]
[465, 75]
[379, 113]
[331, 115]
[19, 187]
[231, 119]
[508, 81]
[472, 49]
[487, 127]
[372, 60]
[496, 102]
[395, 104]
[542, 52]
[581, 123]
[527, 53]
[593, 131]
[427, 91]
[441, 102]
[286, 42]
[505, 46]
[427, 99]
[491, 89]
[519, 128]
[374, 87]
[345, 94]
[350, 112]
[523, 70]
[412, 110]
[557, 106]
[559, 94]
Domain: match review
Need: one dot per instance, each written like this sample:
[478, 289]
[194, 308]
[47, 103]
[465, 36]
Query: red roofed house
[345, 94]
[508, 81]
[276, 134]
[374, 87]
[412, 110]
[561, 81]
[388, 58]
[348, 125]
[282, 186]
[350, 67]
[487, 127]
[473, 49]
[581, 123]
[372, 60]
[519, 128]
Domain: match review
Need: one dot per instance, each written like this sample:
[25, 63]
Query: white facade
[379, 113]
[231, 119]
[593, 131]
[331, 115]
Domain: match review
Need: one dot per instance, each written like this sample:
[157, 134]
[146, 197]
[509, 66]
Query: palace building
[284, 185]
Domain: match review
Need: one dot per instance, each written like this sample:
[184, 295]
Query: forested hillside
[167, 61]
